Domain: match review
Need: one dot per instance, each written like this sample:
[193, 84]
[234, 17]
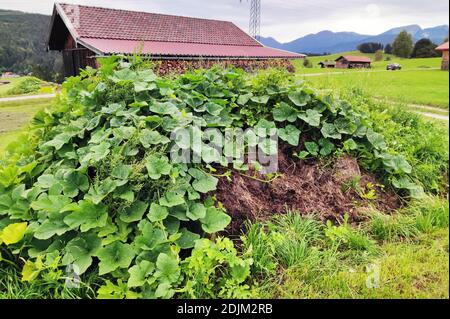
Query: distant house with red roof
[444, 49]
[353, 62]
[83, 33]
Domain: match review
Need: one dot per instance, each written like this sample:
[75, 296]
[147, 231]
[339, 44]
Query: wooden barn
[444, 49]
[327, 64]
[84, 33]
[353, 62]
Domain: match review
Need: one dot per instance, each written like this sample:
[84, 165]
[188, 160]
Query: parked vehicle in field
[393, 67]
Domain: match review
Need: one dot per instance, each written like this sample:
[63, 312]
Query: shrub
[215, 271]
[379, 55]
[95, 189]
[307, 63]
[430, 214]
[420, 217]
[423, 143]
[257, 242]
[392, 227]
[345, 237]
[26, 86]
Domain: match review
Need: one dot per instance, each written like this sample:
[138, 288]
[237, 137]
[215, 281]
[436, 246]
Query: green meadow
[419, 82]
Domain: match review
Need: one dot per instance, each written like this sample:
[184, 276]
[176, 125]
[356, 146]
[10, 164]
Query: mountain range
[335, 42]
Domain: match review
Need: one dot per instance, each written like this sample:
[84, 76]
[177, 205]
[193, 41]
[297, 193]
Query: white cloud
[283, 19]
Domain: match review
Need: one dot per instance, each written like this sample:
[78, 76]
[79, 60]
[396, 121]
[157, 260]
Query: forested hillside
[23, 45]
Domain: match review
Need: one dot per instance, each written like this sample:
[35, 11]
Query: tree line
[403, 46]
[23, 46]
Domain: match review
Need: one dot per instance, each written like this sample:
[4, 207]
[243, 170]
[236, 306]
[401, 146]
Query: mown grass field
[419, 82]
[426, 87]
[431, 63]
[15, 116]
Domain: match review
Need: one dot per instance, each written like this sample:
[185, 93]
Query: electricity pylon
[255, 18]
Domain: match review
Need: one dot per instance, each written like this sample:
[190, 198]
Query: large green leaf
[260, 99]
[311, 116]
[416, 191]
[157, 213]
[345, 126]
[53, 226]
[172, 199]
[203, 182]
[87, 215]
[290, 134]
[167, 267]
[214, 108]
[165, 108]
[376, 139]
[149, 138]
[96, 153]
[80, 250]
[134, 213]
[98, 192]
[46, 181]
[215, 220]
[74, 181]
[139, 273]
[326, 147]
[13, 233]
[196, 211]
[114, 256]
[123, 75]
[396, 163]
[149, 237]
[329, 131]
[187, 239]
[50, 203]
[284, 112]
[58, 141]
[312, 148]
[244, 98]
[157, 166]
[121, 171]
[299, 98]
[265, 128]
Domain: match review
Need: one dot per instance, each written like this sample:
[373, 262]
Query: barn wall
[342, 64]
[444, 60]
[77, 58]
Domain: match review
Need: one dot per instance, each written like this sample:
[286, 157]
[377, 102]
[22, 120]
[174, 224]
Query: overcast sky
[283, 19]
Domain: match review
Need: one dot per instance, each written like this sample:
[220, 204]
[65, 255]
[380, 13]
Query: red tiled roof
[355, 59]
[443, 47]
[107, 31]
[184, 49]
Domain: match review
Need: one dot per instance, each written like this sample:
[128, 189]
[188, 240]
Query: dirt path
[434, 116]
[433, 109]
[425, 110]
[27, 97]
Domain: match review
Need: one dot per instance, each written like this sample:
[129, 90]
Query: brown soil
[303, 187]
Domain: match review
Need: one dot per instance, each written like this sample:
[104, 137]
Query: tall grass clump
[420, 217]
